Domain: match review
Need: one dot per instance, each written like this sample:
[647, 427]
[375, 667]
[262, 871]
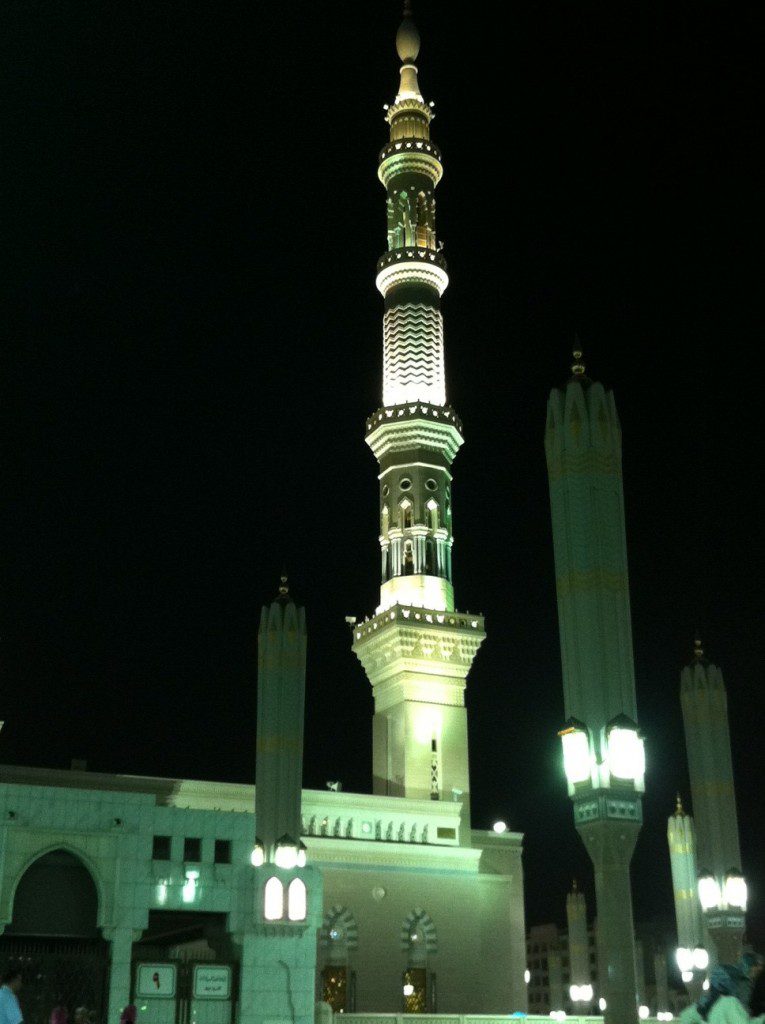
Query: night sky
[193, 342]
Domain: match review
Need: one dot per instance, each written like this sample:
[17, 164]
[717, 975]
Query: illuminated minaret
[707, 740]
[416, 649]
[602, 748]
[681, 837]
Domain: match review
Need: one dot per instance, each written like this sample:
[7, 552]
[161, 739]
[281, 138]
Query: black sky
[192, 344]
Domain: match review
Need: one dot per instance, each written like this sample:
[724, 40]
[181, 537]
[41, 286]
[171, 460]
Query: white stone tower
[416, 650]
[602, 748]
[707, 740]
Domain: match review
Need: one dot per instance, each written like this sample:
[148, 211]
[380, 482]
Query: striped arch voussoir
[342, 917]
[425, 923]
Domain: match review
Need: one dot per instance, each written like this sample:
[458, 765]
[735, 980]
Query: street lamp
[723, 901]
[577, 760]
[580, 993]
[626, 750]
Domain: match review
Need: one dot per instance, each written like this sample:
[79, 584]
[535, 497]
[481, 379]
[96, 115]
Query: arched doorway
[53, 938]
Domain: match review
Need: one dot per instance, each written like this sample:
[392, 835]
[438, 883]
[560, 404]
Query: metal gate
[59, 972]
[179, 991]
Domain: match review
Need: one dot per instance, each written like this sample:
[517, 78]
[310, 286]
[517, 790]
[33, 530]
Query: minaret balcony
[413, 426]
[411, 265]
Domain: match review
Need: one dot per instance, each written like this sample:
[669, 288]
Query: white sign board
[155, 981]
[212, 981]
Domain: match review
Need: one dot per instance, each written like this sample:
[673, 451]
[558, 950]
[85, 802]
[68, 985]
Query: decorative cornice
[409, 157]
[411, 266]
[403, 428]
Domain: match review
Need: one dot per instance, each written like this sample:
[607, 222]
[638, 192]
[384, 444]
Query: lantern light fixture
[258, 855]
[710, 895]
[577, 761]
[626, 749]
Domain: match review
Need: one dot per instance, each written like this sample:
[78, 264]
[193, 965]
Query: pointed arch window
[273, 900]
[406, 514]
[297, 900]
[432, 507]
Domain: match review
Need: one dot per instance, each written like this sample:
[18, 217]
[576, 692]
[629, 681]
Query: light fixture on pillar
[258, 855]
[577, 759]
[710, 895]
[734, 890]
[287, 852]
[626, 750]
[580, 993]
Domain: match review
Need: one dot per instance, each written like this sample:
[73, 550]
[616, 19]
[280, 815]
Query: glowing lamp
[700, 958]
[643, 1012]
[684, 959]
[687, 977]
[408, 989]
[577, 762]
[602, 1004]
[258, 855]
[626, 750]
[273, 899]
[586, 993]
[189, 890]
[499, 827]
[734, 890]
[574, 993]
[297, 900]
[709, 891]
[286, 855]
[705, 984]
[527, 975]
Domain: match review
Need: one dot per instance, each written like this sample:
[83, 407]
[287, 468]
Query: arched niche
[56, 896]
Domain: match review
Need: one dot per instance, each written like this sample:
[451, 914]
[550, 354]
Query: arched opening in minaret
[432, 507]
[408, 566]
[406, 516]
[430, 557]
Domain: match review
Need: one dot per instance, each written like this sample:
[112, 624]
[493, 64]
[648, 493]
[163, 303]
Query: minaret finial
[577, 367]
[575, 886]
[679, 812]
[407, 37]
[284, 590]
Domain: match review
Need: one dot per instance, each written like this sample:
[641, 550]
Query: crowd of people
[736, 995]
[10, 1008]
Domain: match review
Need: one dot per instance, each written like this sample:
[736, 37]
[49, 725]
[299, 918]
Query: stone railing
[418, 617]
[443, 413]
[408, 146]
[460, 1018]
[411, 253]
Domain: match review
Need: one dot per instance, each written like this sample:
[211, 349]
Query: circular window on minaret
[405, 483]
[385, 490]
[431, 485]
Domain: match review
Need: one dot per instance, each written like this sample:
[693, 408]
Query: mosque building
[171, 892]
[211, 902]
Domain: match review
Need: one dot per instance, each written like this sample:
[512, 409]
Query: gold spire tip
[284, 590]
[698, 650]
[679, 812]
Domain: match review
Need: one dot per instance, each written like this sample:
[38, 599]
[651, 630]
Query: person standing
[10, 1011]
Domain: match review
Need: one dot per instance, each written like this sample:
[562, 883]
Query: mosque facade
[118, 889]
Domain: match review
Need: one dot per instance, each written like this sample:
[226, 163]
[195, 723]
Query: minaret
[282, 642]
[578, 938]
[281, 941]
[416, 649]
[603, 751]
[681, 837]
[707, 740]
